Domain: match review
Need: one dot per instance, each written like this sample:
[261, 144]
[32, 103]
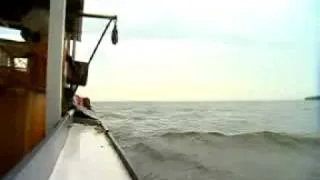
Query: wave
[148, 150]
[145, 111]
[158, 153]
[138, 118]
[191, 133]
[220, 156]
[278, 138]
[114, 116]
[186, 109]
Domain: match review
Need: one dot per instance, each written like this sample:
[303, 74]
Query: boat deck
[88, 154]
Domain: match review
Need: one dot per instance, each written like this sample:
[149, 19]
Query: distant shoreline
[312, 98]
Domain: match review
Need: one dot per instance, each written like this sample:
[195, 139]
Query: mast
[55, 61]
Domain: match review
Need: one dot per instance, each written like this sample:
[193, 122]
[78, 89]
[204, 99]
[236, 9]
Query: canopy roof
[12, 12]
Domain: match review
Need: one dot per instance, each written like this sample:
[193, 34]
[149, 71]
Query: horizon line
[248, 100]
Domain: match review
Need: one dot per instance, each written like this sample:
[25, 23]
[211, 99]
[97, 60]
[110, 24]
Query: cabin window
[6, 61]
[21, 64]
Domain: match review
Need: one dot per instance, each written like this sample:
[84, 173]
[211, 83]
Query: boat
[45, 132]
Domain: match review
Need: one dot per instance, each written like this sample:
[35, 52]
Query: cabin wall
[22, 124]
[35, 124]
[22, 111]
[12, 110]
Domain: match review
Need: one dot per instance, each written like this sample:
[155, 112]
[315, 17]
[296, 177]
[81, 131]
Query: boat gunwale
[95, 121]
[120, 153]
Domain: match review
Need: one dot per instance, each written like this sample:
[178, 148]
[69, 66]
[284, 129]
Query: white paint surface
[88, 155]
[54, 65]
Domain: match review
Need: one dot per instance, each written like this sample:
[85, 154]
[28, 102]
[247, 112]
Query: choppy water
[218, 140]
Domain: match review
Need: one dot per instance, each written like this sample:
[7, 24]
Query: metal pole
[101, 37]
[74, 43]
[68, 45]
[55, 60]
[74, 46]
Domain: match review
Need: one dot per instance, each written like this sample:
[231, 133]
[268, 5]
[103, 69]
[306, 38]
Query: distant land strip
[312, 98]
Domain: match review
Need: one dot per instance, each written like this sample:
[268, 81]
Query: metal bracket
[113, 17]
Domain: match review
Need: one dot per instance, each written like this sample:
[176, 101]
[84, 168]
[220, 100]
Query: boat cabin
[40, 118]
[24, 66]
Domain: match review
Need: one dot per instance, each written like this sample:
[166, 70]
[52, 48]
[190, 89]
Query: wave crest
[279, 138]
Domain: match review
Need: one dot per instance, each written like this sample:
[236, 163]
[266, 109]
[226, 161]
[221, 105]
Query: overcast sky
[204, 50]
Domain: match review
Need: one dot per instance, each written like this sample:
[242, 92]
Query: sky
[203, 50]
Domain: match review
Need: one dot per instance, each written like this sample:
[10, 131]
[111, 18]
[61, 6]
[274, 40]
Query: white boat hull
[78, 148]
[88, 154]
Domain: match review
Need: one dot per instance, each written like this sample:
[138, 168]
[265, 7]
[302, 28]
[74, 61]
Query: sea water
[265, 140]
